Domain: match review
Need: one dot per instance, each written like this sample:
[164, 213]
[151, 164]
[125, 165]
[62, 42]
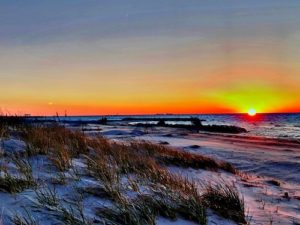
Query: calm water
[268, 125]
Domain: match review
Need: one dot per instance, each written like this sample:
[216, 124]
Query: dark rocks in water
[249, 185]
[286, 195]
[145, 125]
[274, 182]
[222, 129]
[207, 128]
[103, 121]
[161, 123]
[196, 122]
[196, 125]
[194, 146]
[164, 143]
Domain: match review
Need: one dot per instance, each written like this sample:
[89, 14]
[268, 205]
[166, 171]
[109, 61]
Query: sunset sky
[141, 56]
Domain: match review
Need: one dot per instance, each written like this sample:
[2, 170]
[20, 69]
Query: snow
[12, 145]
[164, 221]
[258, 162]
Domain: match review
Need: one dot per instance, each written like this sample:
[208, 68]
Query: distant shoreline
[158, 114]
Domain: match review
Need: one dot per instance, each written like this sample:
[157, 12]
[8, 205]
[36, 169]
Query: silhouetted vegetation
[161, 122]
[103, 121]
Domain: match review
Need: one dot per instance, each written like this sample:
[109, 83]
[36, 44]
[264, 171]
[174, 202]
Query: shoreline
[259, 140]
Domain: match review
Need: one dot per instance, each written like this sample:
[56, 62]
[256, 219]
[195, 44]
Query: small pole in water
[57, 117]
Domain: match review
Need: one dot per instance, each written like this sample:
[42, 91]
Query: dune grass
[12, 184]
[18, 182]
[172, 195]
[73, 215]
[26, 219]
[143, 165]
[47, 195]
[44, 139]
[172, 156]
[226, 201]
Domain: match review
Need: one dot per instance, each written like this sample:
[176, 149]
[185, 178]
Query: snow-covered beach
[267, 177]
[261, 161]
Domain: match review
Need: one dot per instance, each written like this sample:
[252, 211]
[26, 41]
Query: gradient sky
[141, 56]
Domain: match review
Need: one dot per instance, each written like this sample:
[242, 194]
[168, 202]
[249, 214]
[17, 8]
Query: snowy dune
[268, 179]
[261, 161]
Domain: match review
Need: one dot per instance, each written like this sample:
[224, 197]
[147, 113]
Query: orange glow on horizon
[138, 108]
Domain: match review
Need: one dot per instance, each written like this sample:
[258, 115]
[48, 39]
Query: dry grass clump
[10, 123]
[69, 211]
[4, 130]
[74, 216]
[26, 219]
[161, 176]
[225, 200]
[47, 196]
[59, 143]
[145, 209]
[42, 139]
[73, 213]
[126, 159]
[37, 139]
[60, 157]
[108, 163]
[24, 168]
[62, 144]
[172, 195]
[11, 184]
[99, 143]
[171, 203]
[128, 213]
[180, 158]
[17, 183]
[106, 171]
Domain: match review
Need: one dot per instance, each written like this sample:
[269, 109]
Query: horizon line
[146, 114]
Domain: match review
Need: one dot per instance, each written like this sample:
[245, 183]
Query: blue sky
[78, 53]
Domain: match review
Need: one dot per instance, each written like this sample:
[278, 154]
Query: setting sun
[251, 112]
